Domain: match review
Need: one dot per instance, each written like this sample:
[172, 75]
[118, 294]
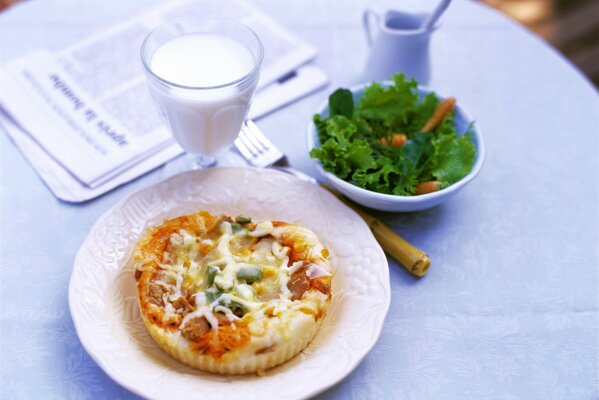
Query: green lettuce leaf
[453, 159]
[351, 146]
[341, 102]
[391, 105]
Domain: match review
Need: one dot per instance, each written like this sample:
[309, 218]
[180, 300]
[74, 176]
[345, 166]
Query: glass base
[190, 162]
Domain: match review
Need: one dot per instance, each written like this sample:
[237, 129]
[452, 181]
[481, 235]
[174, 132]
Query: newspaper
[85, 118]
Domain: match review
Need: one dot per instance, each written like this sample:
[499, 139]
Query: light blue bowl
[389, 202]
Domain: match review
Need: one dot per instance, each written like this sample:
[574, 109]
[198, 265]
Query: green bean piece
[249, 274]
[236, 227]
[212, 294]
[212, 270]
[243, 219]
[236, 308]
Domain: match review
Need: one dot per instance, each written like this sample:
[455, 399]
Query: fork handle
[414, 260]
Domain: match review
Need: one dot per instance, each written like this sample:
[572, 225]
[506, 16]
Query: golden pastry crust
[231, 296]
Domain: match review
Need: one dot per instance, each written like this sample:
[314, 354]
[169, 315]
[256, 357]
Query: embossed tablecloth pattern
[509, 307]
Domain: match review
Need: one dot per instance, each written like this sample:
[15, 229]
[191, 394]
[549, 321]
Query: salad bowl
[398, 203]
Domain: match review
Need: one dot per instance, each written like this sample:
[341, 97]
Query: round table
[509, 307]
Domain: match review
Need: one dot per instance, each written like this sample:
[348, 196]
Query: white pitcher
[397, 44]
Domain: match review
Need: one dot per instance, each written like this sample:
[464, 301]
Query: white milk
[203, 121]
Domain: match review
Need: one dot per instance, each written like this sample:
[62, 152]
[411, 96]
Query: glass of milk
[202, 74]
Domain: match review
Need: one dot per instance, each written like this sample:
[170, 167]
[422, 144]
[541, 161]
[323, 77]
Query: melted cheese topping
[212, 273]
[217, 294]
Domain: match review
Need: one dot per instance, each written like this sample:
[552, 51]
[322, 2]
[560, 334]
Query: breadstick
[414, 260]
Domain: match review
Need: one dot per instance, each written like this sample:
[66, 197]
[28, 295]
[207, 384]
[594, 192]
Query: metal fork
[257, 149]
[260, 152]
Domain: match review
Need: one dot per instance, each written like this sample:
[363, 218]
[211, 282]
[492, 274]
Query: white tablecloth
[509, 307]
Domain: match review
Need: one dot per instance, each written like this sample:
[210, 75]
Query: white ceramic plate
[106, 316]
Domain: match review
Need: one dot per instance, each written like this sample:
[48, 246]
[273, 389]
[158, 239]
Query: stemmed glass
[202, 74]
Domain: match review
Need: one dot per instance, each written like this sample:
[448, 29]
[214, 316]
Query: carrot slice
[397, 140]
[427, 187]
[439, 114]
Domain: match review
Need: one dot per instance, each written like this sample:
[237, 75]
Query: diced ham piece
[195, 328]
[298, 283]
[155, 294]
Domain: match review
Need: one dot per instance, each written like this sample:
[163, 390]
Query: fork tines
[256, 148]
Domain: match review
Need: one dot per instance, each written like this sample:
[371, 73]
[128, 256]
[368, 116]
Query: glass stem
[202, 161]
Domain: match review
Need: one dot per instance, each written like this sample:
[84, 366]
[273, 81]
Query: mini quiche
[231, 296]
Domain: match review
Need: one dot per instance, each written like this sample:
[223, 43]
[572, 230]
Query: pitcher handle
[368, 16]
